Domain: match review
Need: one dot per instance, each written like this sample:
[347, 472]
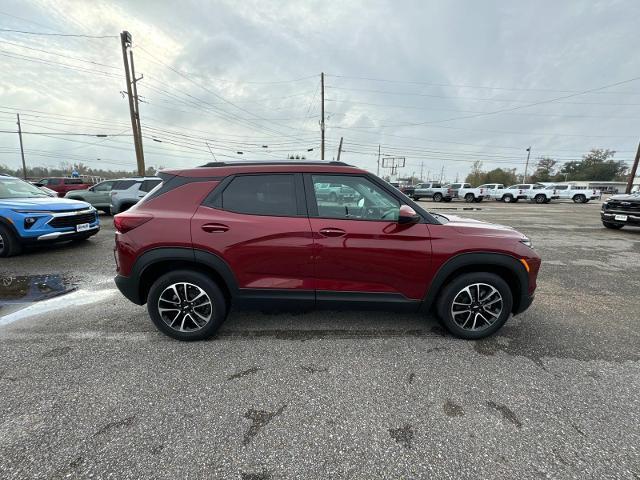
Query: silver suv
[127, 192]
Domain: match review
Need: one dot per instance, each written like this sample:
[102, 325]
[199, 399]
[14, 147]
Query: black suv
[621, 210]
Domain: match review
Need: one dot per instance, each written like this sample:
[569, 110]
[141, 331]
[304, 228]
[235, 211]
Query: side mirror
[407, 215]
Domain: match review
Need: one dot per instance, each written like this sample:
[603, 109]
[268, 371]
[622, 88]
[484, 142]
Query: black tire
[509, 199]
[437, 197]
[613, 226]
[416, 198]
[453, 290]
[332, 197]
[478, 200]
[106, 211]
[579, 199]
[9, 244]
[469, 197]
[447, 199]
[125, 206]
[540, 199]
[218, 307]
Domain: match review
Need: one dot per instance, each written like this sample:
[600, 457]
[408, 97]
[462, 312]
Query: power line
[49, 52]
[56, 34]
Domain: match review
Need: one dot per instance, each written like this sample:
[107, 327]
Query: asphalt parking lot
[88, 387]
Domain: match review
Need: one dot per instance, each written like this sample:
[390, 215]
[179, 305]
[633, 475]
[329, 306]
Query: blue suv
[30, 216]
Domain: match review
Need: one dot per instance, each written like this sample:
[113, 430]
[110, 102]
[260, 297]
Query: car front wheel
[475, 305]
[437, 197]
[9, 244]
[469, 197]
[186, 305]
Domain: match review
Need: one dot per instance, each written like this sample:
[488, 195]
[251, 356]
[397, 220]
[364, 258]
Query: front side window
[123, 184]
[54, 181]
[357, 199]
[103, 186]
[273, 195]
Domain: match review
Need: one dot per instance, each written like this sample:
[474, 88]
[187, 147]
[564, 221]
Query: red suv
[257, 235]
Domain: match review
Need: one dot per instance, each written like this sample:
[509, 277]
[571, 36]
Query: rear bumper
[129, 288]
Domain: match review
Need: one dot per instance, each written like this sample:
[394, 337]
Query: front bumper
[609, 216]
[60, 236]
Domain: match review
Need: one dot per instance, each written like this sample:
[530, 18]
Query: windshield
[16, 188]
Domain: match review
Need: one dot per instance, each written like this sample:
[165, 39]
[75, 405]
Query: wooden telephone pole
[340, 148]
[634, 169]
[322, 116]
[132, 93]
[24, 165]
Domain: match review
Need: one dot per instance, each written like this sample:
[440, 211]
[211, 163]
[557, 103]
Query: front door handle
[332, 232]
[214, 228]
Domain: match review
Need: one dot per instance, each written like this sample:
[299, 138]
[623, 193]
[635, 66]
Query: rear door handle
[214, 228]
[332, 232]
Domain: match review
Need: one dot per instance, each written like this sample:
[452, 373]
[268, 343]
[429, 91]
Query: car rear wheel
[475, 305]
[579, 199]
[437, 197]
[469, 197]
[540, 199]
[9, 244]
[186, 305]
[613, 226]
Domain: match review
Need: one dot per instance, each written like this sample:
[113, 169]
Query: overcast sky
[441, 83]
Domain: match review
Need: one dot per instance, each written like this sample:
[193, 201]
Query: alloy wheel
[185, 307]
[476, 307]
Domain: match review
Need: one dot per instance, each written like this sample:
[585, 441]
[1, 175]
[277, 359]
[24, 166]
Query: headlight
[527, 242]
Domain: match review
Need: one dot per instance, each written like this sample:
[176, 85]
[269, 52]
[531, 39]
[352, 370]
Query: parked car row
[535, 192]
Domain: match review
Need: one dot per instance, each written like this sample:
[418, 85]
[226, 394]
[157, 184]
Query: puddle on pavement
[17, 289]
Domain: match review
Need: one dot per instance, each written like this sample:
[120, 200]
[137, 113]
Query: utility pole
[378, 172]
[442, 173]
[526, 166]
[134, 81]
[421, 171]
[24, 165]
[632, 175]
[340, 149]
[125, 39]
[322, 116]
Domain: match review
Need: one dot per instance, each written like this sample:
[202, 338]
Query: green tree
[598, 164]
[504, 176]
[476, 175]
[545, 170]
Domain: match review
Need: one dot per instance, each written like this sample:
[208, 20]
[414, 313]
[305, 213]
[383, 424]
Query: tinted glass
[123, 184]
[103, 186]
[149, 185]
[54, 181]
[261, 195]
[356, 198]
[73, 181]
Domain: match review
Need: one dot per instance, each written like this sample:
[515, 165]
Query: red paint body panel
[262, 251]
[372, 257]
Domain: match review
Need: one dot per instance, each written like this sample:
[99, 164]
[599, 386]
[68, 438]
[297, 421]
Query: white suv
[129, 191]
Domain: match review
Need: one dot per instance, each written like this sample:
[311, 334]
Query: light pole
[526, 165]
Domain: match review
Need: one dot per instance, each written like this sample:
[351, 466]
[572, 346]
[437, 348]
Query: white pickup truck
[467, 192]
[535, 192]
[493, 190]
[577, 193]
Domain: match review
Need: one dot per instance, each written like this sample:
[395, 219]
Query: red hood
[469, 226]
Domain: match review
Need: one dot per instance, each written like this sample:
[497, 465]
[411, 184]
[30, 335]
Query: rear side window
[123, 184]
[73, 181]
[261, 195]
[149, 185]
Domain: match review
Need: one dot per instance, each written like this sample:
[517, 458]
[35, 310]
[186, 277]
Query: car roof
[223, 169]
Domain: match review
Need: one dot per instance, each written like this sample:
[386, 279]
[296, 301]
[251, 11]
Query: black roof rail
[292, 162]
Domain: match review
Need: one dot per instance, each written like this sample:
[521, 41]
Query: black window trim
[214, 199]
